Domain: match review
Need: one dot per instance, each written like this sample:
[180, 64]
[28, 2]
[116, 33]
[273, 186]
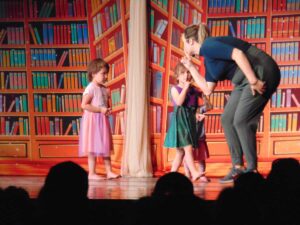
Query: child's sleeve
[88, 91]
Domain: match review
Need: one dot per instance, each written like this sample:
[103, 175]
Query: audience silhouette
[252, 200]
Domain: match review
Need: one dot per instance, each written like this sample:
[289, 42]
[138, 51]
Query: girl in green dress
[182, 131]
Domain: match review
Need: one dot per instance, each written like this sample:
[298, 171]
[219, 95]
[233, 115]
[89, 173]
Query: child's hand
[200, 117]
[186, 84]
[105, 110]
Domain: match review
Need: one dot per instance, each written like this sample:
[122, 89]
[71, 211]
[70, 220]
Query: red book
[291, 26]
[297, 25]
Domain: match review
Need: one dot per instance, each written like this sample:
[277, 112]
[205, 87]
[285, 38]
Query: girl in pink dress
[95, 137]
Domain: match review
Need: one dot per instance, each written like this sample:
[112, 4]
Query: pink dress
[95, 134]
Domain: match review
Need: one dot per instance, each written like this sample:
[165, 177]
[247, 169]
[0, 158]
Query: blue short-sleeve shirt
[217, 53]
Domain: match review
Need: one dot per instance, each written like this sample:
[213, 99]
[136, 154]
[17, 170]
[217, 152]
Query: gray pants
[243, 110]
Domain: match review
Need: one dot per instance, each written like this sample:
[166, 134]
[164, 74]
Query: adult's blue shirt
[217, 53]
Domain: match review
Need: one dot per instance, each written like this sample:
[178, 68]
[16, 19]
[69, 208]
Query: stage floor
[121, 189]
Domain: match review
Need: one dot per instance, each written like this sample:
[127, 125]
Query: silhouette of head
[66, 185]
[173, 184]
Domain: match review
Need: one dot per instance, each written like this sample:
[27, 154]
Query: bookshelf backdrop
[46, 45]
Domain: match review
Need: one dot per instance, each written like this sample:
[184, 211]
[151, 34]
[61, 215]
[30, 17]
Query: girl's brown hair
[95, 66]
[178, 68]
[197, 32]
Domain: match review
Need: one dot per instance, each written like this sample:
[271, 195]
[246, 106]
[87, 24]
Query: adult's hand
[259, 86]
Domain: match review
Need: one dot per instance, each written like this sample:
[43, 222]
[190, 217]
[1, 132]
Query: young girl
[182, 131]
[201, 153]
[95, 135]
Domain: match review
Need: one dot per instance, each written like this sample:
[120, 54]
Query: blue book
[85, 34]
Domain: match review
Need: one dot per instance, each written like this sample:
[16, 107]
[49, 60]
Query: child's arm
[179, 98]
[86, 105]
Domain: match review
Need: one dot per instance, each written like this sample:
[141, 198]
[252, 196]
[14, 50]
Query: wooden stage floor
[121, 189]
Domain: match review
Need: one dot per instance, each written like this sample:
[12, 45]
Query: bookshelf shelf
[285, 13]
[157, 67]
[14, 114]
[54, 91]
[59, 69]
[58, 114]
[109, 31]
[234, 15]
[178, 23]
[12, 46]
[114, 55]
[14, 91]
[14, 69]
[99, 8]
[285, 109]
[60, 46]
[285, 134]
[11, 138]
[195, 6]
[159, 9]
[159, 40]
[288, 63]
[116, 80]
[55, 19]
[56, 137]
[285, 39]
[156, 100]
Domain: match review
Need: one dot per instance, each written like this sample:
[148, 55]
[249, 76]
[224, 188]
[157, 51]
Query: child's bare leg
[92, 168]
[202, 167]
[189, 159]
[177, 160]
[109, 173]
[186, 169]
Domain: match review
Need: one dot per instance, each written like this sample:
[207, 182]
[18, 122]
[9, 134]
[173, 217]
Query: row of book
[14, 126]
[285, 122]
[285, 98]
[117, 123]
[65, 80]
[157, 54]
[12, 58]
[48, 57]
[57, 102]
[63, 8]
[285, 5]
[241, 28]
[116, 68]
[105, 19]
[219, 99]
[185, 13]
[109, 45]
[12, 36]
[11, 9]
[15, 103]
[176, 37]
[237, 6]
[155, 118]
[285, 26]
[156, 84]
[74, 33]
[290, 74]
[46, 125]
[13, 80]
[117, 96]
[163, 4]
[285, 51]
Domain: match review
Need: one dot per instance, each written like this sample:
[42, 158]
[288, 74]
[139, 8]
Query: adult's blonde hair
[95, 66]
[198, 32]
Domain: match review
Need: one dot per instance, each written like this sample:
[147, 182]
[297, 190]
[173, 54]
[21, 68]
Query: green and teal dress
[182, 130]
